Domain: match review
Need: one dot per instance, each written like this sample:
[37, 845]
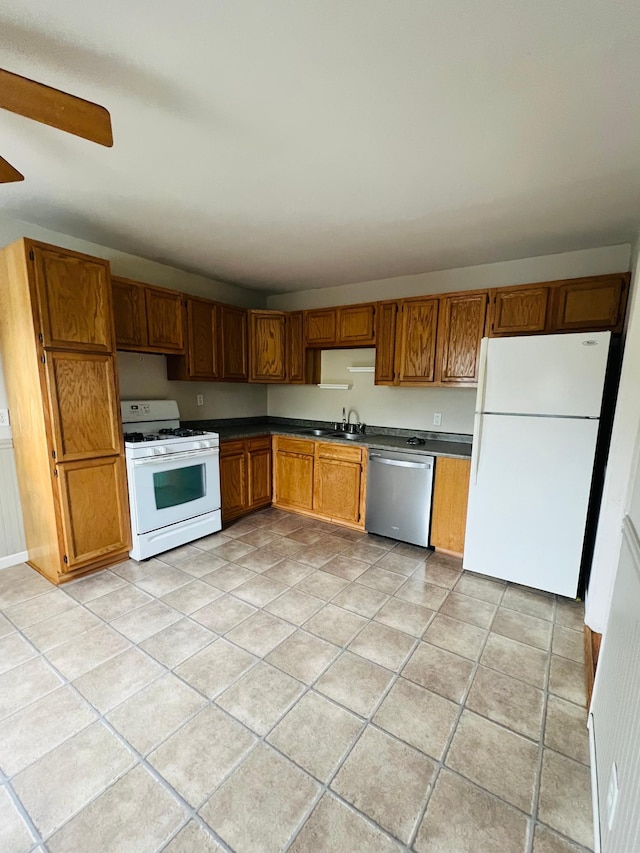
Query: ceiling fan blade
[8, 174]
[55, 108]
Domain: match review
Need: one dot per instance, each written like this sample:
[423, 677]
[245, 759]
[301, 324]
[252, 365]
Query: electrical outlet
[4, 417]
[200, 399]
[612, 795]
[437, 418]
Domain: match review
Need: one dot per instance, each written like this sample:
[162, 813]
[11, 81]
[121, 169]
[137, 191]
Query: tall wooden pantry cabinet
[57, 344]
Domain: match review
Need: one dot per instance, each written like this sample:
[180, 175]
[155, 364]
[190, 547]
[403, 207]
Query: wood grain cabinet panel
[386, 315]
[267, 346]
[260, 477]
[591, 305]
[356, 324]
[449, 508]
[84, 404]
[293, 479]
[93, 499]
[519, 311]
[74, 299]
[165, 323]
[202, 339]
[417, 346]
[233, 479]
[321, 326]
[337, 487]
[233, 332]
[129, 313]
[460, 330]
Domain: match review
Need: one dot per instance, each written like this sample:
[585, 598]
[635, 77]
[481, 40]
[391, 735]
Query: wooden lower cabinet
[245, 476]
[338, 483]
[293, 473]
[449, 508]
[320, 479]
[93, 500]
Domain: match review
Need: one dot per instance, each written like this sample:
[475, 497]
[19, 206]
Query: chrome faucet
[344, 419]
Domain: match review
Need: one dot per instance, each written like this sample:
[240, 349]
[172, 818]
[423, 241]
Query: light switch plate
[437, 418]
[4, 417]
[199, 399]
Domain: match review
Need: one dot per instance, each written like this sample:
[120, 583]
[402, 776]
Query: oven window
[172, 488]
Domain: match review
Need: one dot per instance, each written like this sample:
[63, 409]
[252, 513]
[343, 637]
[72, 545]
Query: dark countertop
[377, 438]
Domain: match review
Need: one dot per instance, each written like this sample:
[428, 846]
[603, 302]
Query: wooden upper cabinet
[84, 405]
[519, 311]
[94, 509]
[356, 324]
[129, 313]
[295, 347]
[590, 304]
[165, 322]
[203, 355]
[321, 326]
[416, 341]
[460, 330]
[267, 346]
[146, 318]
[74, 299]
[233, 334]
[386, 316]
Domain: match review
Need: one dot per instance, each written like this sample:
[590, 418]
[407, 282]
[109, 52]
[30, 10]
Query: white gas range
[174, 478]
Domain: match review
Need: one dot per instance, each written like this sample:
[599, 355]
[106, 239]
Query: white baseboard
[13, 560]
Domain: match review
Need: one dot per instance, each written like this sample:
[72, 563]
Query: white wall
[408, 408]
[623, 455]
[144, 377]
[607, 259]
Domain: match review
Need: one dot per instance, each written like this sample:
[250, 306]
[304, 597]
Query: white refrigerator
[534, 443]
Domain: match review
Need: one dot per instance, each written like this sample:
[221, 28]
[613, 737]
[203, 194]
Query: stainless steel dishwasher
[399, 488]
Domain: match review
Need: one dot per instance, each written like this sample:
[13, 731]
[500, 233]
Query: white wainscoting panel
[12, 546]
[615, 708]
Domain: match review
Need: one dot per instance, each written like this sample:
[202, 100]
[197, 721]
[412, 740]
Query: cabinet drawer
[230, 448]
[339, 451]
[295, 445]
[262, 442]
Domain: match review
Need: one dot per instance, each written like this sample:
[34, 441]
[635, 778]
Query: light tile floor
[290, 685]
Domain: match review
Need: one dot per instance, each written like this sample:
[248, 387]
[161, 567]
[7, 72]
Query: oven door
[174, 488]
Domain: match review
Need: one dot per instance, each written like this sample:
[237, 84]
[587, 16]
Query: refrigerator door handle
[477, 444]
[482, 375]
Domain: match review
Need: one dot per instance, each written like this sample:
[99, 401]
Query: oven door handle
[177, 457]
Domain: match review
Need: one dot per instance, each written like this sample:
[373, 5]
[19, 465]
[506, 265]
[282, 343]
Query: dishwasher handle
[400, 463]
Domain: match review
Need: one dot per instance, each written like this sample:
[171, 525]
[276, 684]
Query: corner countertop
[376, 438]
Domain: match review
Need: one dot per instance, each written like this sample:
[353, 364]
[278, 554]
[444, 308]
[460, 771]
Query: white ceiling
[289, 145]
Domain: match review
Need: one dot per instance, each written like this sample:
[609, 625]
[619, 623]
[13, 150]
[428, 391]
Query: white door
[545, 374]
[528, 499]
[174, 488]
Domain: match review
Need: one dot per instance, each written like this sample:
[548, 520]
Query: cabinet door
[295, 347]
[267, 346]
[417, 348]
[74, 300]
[320, 327]
[460, 330]
[129, 314]
[94, 509]
[589, 306]
[165, 323]
[294, 480]
[203, 339]
[449, 511]
[233, 323]
[84, 405]
[386, 316]
[259, 455]
[233, 479]
[520, 311]
[356, 324]
[337, 489]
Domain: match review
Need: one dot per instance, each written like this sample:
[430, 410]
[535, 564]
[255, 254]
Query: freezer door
[545, 374]
[528, 499]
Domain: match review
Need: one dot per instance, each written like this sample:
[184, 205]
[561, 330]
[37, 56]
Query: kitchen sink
[318, 431]
[352, 436]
